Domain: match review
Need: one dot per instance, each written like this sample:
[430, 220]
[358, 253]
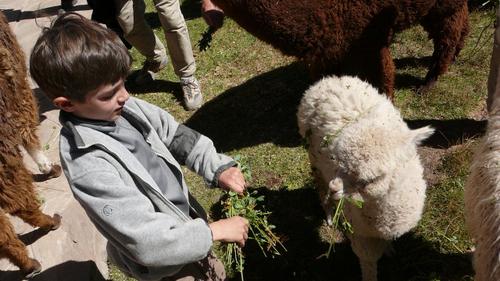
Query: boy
[121, 157]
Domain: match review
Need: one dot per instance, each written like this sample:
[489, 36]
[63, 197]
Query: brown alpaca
[353, 37]
[18, 122]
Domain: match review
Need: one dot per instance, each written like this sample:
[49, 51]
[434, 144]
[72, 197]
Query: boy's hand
[234, 229]
[233, 180]
[212, 14]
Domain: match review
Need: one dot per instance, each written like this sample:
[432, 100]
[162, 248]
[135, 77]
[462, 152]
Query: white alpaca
[359, 146]
[482, 200]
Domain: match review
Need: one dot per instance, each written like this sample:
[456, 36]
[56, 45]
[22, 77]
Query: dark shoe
[148, 71]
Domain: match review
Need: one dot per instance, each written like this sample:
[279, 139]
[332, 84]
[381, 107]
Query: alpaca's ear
[421, 134]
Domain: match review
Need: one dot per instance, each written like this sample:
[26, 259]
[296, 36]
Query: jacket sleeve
[127, 218]
[188, 147]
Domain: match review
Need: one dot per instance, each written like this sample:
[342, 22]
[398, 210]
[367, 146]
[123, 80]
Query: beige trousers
[208, 269]
[130, 16]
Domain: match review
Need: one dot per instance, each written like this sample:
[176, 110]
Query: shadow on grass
[70, 270]
[408, 81]
[298, 217]
[450, 132]
[154, 86]
[419, 260]
[413, 62]
[261, 110]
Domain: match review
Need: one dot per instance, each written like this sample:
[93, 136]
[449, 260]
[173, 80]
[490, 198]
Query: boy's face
[105, 103]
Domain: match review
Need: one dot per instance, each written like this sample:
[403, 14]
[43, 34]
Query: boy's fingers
[238, 188]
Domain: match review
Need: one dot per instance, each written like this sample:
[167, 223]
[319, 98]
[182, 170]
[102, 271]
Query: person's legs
[177, 36]
[180, 49]
[130, 16]
[208, 269]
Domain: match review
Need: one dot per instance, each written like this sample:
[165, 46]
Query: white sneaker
[191, 92]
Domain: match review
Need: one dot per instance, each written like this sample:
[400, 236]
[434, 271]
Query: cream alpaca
[359, 146]
[482, 201]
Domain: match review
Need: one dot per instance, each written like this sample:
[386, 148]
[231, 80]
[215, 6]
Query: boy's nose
[124, 96]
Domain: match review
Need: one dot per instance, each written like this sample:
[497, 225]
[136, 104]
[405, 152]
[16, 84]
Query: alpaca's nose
[336, 187]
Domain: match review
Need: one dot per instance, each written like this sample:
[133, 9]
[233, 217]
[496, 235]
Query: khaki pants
[130, 16]
[208, 269]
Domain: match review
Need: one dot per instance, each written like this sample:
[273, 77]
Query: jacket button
[107, 210]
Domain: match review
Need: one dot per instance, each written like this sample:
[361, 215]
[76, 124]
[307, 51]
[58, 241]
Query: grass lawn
[251, 95]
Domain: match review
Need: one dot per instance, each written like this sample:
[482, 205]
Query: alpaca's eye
[373, 180]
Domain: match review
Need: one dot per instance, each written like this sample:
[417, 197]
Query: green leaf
[355, 202]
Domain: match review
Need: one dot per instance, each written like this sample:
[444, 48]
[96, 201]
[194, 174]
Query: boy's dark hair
[76, 56]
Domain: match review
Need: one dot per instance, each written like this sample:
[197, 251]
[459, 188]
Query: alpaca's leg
[44, 164]
[448, 34]
[32, 145]
[14, 249]
[388, 71]
[17, 193]
[30, 140]
[36, 218]
[18, 196]
[464, 31]
[369, 251]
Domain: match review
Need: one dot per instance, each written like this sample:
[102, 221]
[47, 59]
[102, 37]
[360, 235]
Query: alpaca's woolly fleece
[353, 37]
[18, 123]
[359, 146]
[482, 200]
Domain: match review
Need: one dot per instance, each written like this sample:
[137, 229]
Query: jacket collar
[82, 141]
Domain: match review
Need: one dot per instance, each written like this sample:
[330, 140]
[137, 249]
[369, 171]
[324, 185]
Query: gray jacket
[148, 236]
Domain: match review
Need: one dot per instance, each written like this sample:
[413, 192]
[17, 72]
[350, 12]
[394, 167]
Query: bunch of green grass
[260, 229]
[340, 222]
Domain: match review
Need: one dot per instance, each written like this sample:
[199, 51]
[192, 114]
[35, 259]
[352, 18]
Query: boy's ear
[64, 103]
